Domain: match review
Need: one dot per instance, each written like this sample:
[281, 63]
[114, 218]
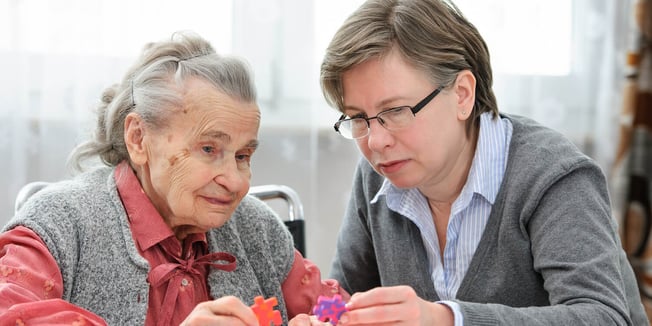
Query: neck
[444, 192]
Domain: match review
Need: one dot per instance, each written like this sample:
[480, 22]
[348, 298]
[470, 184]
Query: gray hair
[153, 86]
[432, 35]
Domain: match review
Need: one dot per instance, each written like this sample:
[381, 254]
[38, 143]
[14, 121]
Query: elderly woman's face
[197, 168]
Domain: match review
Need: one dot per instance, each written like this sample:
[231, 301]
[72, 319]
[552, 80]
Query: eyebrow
[226, 138]
[253, 144]
[220, 135]
[382, 104]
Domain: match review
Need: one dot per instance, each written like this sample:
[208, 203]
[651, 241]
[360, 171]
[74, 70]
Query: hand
[223, 311]
[397, 305]
[305, 320]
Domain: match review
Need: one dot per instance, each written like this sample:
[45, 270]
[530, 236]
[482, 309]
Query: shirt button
[184, 282]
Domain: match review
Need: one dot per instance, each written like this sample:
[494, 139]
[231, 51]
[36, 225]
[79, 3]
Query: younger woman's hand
[396, 305]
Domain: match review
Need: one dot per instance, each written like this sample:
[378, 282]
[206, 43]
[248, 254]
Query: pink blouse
[31, 284]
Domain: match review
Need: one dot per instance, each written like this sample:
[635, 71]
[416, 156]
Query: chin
[402, 183]
[214, 224]
[216, 220]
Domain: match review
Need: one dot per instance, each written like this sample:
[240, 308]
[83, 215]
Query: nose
[231, 178]
[379, 137]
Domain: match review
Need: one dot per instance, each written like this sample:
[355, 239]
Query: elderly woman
[166, 226]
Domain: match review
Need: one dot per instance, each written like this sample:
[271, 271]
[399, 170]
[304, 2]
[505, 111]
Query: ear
[134, 139]
[464, 88]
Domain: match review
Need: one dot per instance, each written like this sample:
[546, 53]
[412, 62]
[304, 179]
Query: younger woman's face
[422, 154]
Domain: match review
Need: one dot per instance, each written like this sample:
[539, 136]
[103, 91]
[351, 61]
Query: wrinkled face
[422, 154]
[197, 169]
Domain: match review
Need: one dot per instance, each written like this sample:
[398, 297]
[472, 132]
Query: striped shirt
[469, 212]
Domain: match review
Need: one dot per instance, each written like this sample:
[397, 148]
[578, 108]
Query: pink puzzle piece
[264, 310]
[329, 309]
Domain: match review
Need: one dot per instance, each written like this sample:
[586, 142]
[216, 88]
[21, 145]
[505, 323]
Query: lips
[221, 201]
[392, 166]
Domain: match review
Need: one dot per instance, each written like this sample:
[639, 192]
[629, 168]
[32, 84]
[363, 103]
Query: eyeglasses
[391, 119]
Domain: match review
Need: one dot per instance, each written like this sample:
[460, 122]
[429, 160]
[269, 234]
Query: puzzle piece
[329, 309]
[264, 310]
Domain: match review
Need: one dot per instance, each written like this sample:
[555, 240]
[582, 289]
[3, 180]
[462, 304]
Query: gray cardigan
[84, 225]
[550, 253]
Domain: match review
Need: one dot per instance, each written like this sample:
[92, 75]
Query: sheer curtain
[58, 56]
[558, 61]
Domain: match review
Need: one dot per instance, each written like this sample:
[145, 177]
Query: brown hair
[432, 35]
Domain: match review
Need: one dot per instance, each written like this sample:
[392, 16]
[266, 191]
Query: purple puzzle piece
[329, 309]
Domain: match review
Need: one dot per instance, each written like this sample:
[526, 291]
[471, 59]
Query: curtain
[634, 154]
[557, 61]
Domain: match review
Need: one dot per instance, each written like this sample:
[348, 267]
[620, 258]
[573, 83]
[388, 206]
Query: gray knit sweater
[550, 253]
[84, 225]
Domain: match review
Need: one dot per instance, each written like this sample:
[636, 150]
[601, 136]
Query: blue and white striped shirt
[469, 212]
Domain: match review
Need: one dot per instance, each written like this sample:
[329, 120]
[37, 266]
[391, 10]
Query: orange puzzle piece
[264, 310]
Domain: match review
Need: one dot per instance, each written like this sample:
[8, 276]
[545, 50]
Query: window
[530, 37]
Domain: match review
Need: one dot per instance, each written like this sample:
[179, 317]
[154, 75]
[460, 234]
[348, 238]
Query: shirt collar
[488, 166]
[147, 225]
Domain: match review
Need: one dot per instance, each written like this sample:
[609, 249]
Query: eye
[208, 149]
[243, 161]
[243, 157]
[394, 113]
[358, 116]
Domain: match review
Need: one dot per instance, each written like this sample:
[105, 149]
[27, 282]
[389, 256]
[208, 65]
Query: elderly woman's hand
[305, 320]
[223, 311]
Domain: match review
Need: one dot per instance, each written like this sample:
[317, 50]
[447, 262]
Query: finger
[300, 320]
[314, 321]
[381, 296]
[305, 320]
[213, 320]
[384, 305]
[392, 314]
[230, 306]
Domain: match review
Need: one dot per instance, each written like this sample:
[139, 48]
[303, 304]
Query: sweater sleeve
[577, 253]
[31, 285]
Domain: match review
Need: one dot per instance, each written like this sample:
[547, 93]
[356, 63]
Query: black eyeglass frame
[414, 110]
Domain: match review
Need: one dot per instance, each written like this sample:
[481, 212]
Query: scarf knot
[173, 273]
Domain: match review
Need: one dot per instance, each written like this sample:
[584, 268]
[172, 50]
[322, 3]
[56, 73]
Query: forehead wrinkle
[201, 130]
[205, 97]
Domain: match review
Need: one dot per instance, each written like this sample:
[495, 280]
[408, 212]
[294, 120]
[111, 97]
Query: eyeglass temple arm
[335, 126]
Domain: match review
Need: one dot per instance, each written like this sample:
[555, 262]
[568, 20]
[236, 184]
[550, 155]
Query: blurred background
[561, 62]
